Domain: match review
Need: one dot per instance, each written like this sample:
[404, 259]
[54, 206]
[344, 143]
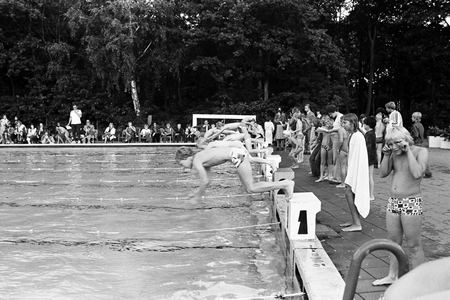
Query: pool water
[111, 223]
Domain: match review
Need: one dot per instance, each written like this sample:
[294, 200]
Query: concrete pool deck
[340, 245]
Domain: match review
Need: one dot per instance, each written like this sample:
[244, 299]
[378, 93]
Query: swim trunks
[237, 156]
[406, 206]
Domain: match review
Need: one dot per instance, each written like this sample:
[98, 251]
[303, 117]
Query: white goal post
[213, 118]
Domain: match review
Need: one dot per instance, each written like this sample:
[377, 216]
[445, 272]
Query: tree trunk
[372, 37]
[266, 89]
[135, 97]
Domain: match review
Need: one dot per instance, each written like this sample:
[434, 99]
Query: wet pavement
[340, 245]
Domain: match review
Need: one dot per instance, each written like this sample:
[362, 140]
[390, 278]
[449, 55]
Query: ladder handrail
[361, 253]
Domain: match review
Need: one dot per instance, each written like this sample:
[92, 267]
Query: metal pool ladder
[362, 252]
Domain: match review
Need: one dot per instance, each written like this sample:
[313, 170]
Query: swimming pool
[110, 223]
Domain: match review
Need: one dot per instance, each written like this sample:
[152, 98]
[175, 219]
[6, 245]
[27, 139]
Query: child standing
[369, 136]
[357, 179]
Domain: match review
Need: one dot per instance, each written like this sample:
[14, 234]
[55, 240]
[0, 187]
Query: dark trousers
[314, 161]
[76, 128]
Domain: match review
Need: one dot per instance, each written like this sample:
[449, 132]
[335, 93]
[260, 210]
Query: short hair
[380, 110]
[183, 153]
[398, 132]
[353, 119]
[390, 105]
[370, 121]
[331, 108]
[295, 109]
[417, 116]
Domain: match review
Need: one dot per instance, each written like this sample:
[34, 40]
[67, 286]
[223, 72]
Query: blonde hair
[417, 116]
[398, 132]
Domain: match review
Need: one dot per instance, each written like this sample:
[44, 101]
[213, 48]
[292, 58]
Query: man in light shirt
[75, 123]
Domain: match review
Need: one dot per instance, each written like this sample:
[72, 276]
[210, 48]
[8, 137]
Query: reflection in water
[104, 224]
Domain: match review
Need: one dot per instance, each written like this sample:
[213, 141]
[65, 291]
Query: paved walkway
[340, 245]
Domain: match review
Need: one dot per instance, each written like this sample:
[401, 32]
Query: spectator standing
[357, 191]
[280, 122]
[380, 130]
[369, 136]
[75, 123]
[205, 127]
[307, 131]
[404, 210]
[395, 118]
[336, 115]
[325, 148]
[4, 124]
[342, 155]
[269, 128]
[417, 133]
[315, 146]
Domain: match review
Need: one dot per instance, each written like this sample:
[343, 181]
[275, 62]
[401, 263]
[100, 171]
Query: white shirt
[75, 117]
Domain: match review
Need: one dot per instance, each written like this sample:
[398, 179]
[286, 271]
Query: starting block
[301, 216]
[284, 174]
[267, 170]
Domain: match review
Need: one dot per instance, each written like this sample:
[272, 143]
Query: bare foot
[289, 192]
[320, 179]
[352, 228]
[346, 224]
[384, 281]
[342, 185]
[295, 166]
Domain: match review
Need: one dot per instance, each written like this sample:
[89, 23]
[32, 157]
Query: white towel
[358, 173]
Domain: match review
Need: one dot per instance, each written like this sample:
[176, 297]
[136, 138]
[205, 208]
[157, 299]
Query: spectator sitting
[41, 132]
[110, 133]
[46, 138]
[167, 133]
[146, 134]
[20, 132]
[130, 133]
[156, 133]
[32, 135]
[189, 134]
[179, 134]
[62, 135]
[89, 133]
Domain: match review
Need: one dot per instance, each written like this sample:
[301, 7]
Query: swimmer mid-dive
[239, 156]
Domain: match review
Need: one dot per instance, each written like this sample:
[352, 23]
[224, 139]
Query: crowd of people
[344, 149]
[15, 132]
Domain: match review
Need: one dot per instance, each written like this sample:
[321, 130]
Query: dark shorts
[406, 206]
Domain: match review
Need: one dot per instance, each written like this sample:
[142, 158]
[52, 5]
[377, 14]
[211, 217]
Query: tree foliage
[221, 56]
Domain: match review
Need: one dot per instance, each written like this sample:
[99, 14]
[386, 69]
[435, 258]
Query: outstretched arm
[205, 177]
